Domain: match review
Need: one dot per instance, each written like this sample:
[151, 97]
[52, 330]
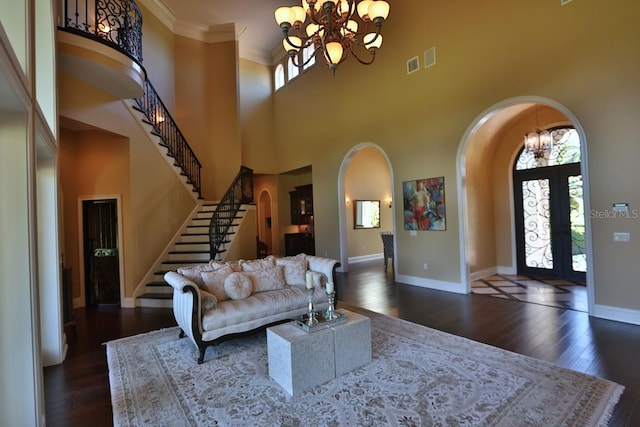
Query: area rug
[418, 377]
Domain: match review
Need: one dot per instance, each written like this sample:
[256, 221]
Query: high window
[278, 77]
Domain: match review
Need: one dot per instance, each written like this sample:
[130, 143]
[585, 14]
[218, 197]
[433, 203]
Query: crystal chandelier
[538, 141]
[332, 29]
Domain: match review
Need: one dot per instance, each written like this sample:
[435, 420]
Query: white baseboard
[509, 270]
[618, 314]
[364, 258]
[439, 285]
[476, 275]
[129, 303]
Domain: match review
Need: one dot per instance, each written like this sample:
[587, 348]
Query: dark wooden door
[101, 254]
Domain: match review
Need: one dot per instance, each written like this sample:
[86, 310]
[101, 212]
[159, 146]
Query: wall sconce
[389, 201]
[347, 201]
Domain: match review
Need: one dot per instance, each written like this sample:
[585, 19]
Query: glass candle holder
[311, 320]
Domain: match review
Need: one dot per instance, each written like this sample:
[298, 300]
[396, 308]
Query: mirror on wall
[366, 214]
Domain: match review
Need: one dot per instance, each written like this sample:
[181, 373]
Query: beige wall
[207, 109]
[256, 117]
[368, 178]
[584, 60]
[158, 57]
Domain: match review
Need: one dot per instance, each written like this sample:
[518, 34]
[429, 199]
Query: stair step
[158, 283]
[178, 263]
[156, 295]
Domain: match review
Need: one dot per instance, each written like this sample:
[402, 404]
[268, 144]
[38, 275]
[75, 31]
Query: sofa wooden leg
[182, 334]
[201, 358]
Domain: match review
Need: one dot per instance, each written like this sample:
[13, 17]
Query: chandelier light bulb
[284, 15]
[292, 44]
[378, 10]
[334, 52]
[363, 8]
[371, 41]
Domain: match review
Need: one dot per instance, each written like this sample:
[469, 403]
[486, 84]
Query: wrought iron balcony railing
[116, 23]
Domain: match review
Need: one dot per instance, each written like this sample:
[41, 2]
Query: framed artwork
[424, 204]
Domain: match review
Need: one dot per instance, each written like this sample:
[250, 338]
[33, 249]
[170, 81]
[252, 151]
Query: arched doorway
[365, 173]
[486, 155]
[265, 230]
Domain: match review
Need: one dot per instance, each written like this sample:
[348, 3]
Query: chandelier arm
[364, 62]
[301, 37]
[295, 59]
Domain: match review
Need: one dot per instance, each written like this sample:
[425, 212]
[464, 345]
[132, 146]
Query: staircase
[192, 247]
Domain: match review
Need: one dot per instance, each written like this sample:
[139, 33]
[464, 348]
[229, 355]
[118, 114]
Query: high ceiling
[255, 26]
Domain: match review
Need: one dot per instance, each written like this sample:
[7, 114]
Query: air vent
[430, 57]
[413, 65]
[563, 2]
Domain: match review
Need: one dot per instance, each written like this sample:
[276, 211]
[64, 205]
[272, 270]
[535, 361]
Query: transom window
[278, 76]
[566, 150]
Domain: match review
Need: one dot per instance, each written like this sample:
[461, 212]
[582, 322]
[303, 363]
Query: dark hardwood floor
[77, 391]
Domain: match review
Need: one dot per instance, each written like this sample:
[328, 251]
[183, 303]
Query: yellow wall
[585, 59]
[367, 178]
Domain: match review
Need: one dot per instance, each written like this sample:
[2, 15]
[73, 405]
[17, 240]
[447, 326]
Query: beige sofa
[214, 301]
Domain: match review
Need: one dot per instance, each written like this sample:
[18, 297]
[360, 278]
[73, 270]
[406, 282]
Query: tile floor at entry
[571, 294]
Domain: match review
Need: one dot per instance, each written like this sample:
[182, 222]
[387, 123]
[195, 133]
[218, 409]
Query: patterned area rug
[418, 377]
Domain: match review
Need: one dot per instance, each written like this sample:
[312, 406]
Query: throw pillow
[258, 264]
[295, 268]
[193, 273]
[238, 286]
[207, 301]
[214, 282]
[267, 279]
[217, 265]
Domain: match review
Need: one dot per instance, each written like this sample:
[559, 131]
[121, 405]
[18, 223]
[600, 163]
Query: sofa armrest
[327, 266]
[186, 305]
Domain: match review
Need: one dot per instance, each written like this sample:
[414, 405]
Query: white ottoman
[299, 360]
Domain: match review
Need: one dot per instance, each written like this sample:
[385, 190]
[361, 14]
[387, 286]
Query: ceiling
[255, 26]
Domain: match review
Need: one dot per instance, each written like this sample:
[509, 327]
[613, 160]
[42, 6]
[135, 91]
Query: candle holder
[330, 314]
[311, 315]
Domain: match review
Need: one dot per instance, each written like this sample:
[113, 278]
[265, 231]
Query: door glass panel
[537, 224]
[576, 220]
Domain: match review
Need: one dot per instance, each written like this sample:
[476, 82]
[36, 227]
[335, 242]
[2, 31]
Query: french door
[550, 222]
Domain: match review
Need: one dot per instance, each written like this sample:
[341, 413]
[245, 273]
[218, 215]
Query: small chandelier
[332, 29]
[538, 141]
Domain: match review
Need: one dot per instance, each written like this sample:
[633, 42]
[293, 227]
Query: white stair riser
[194, 238]
[190, 256]
[193, 247]
[174, 266]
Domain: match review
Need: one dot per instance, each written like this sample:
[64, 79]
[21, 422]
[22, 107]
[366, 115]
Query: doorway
[549, 210]
[101, 252]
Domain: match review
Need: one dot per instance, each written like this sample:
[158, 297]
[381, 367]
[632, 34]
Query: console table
[300, 360]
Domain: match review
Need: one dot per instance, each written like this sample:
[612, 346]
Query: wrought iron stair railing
[118, 24]
[239, 192]
[173, 140]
